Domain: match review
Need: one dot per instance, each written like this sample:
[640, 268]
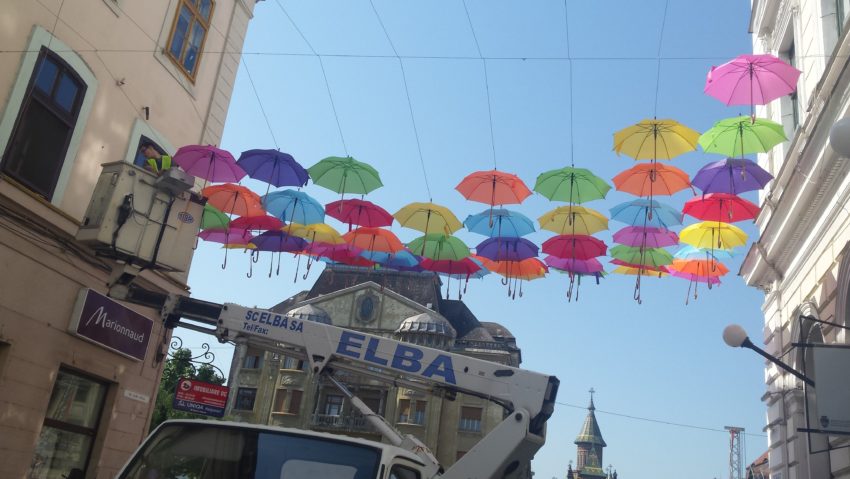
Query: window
[5, 348]
[245, 399]
[293, 364]
[39, 142]
[279, 400]
[140, 159]
[188, 34]
[411, 411]
[294, 405]
[70, 426]
[253, 359]
[333, 405]
[295, 402]
[470, 419]
[401, 472]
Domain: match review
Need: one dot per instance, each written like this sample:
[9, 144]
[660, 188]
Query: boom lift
[527, 397]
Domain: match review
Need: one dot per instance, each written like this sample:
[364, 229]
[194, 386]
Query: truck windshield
[199, 451]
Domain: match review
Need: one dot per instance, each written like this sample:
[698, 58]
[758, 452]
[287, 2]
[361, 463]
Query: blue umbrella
[646, 213]
[691, 252]
[274, 167]
[402, 259]
[503, 223]
[293, 206]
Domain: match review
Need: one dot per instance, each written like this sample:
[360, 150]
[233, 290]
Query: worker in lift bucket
[156, 161]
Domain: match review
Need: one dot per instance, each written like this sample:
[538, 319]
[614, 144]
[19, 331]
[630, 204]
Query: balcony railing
[340, 423]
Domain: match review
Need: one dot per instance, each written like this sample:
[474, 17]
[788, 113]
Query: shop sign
[199, 397]
[108, 323]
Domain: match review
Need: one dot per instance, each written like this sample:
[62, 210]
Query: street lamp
[735, 336]
[839, 137]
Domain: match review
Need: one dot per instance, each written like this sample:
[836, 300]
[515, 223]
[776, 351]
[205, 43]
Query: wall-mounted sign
[833, 388]
[111, 325]
[199, 397]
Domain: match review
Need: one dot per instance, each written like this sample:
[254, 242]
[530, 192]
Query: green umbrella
[652, 257]
[742, 135]
[440, 247]
[345, 175]
[574, 185]
[213, 218]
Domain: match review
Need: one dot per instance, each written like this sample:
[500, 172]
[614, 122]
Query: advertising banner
[111, 325]
[199, 397]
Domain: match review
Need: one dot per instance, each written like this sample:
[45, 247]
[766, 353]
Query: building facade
[801, 260]
[589, 450]
[83, 84]
[275, 389]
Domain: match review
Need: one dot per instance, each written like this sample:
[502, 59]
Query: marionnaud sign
[200, 398]
[111, 325]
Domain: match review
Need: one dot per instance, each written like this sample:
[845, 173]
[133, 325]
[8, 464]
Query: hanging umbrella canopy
[428, 218]
[652, 179]
[349, 260]
[700, 267]
[581, 247]
[506, 249]
[463, 267]
[438, 247]
[713, 235]
[731, 175]
[213, 218]
[639, 267]
[690, 252]
[578, 220]
[527, 269]
[359, 212]
[655, 140]
[278, 241]
[651, 257]
[316, 232]
[209, 163]
[273, 167]
[632, 271]
[493, 187]
[713, 280]
[345, 175]
[504, 223]
[403, 258]
[374, 239]
[230, 236]
[742, 135]
[574, 185]
[293, 206]
[751, 80]
[646, 237]
[720, 207]
[234, 200]
[574, 265]
[646, 213]
[254, 223]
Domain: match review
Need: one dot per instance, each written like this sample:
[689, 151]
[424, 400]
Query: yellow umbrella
[713, 235]
[316, 232]
[573, 220]
[655, 140]
[428, 218]
[628, 270]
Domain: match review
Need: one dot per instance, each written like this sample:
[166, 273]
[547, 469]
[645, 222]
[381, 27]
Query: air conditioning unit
[136, 216]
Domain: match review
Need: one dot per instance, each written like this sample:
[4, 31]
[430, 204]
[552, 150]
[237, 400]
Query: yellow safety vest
[162, 164]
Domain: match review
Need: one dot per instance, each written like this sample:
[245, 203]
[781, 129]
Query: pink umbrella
[646, 237]
[693, 281]
[208, 162]
[226, 236]
[581, 266]
[751, 80]
[574, 246]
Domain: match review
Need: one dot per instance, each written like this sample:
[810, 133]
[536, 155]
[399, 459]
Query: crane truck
[198, 449]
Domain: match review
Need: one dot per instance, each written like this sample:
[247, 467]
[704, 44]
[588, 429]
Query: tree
[179, 366]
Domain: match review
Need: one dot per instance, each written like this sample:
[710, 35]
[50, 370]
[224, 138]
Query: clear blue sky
[661, 360]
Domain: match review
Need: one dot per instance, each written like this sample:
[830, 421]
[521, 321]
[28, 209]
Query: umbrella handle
[250, 272]
[271, 265]
[578, 287]
[255, 257]
[297, 268]
[505, 282]
[520, 288]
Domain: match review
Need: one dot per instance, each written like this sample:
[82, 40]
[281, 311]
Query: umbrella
[506, 249]
[257, 223]
[720, 207]
[646, 237]
[742, 135]
[647, 257]
[700, 267]
[751, 80]
[234, 200]
[633, 271]
[277, 242]
[493, 187]
[573, 220]
[639, 267]
[581, 266]
[693, 281]
[655, 140]
[574, 185]
[713, 235]
[690, 252]
[527, 269]
[227, 236]
[294, 207]
[581, 247]
[274, 167]
[646, 213]
[345, 175]
[318, 233]
[437, 246]
[652, 179]
[505, 223]
[359, 212]
[213, 218]
[731, 175]
[403, 258]
[428, 217]
[465, 267]
[373, 239]
[208, 162]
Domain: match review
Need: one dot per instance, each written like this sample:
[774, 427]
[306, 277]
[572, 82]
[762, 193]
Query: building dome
[427, 330]
[308, 312]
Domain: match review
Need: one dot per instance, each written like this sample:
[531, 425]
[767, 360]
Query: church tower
[590, 445]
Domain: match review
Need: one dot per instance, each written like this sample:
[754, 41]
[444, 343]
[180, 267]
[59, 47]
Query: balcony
[327, 422]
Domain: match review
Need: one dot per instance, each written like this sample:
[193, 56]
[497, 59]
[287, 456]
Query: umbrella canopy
[506, 249]
[278, 241]
[315, 233]
[655, 140]
[359, 212]
[694, 277]
[493, 187]
[577, 220]
[527, 269]
[699, 267]
[647, 214]
[374, 239]
[731, 175]
[213, 218]
[293, 206]
[632, 271]
[234, 200]
[273, 167]
[251, 223]
[690, 252]
[581, 247]
[209, 163]
[742, 135]
[751, 80]
[720, 207]
[228, 236]
[428, 217]
[652, 179]
[572, 265]
[713, 235]
[646, 237]
[504, 223]
[574, 185]
[639, 267]
[439, 247]
[403, 258]
[651, 257]
[345, 175]
[464, 267]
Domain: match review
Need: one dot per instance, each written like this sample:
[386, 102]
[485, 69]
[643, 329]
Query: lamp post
[735, 336]
[839, 137]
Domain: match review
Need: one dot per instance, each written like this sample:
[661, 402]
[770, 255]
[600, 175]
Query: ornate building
[275, 389]
[589, 443]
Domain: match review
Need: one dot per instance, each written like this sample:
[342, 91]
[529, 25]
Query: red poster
[200, 398]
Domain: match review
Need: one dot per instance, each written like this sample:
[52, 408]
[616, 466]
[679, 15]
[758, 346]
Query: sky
[666, 384]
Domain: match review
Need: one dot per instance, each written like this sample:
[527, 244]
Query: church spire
[590, 433]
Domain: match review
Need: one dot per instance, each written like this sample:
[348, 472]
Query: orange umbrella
[700, 267]
[234, 200]
[493, 187]
[373, 239]
[525, 270]
[652, 179]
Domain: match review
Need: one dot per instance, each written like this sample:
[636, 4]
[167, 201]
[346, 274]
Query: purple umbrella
[274, 167]
[580, 266]
[277, 242]
[732, 175]
[226, 236]
[646, 237]
[208, 162]
[507, 249]
[751, 80]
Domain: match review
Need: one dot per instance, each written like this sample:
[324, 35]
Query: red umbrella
[574, 246]
[464, 267]
[724, 207]
[254, 223]
[359, 212]
[374, 239]
[234, 200]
